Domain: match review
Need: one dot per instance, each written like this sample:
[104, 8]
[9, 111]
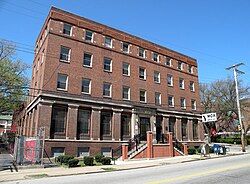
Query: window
[190, 69]
[125, 47]
[65, 53]
[170, 80]
[126, 93]
[107, 89]
[181, 83]
[57, 151]
[106, 152]
[168, 61]
[59, 115]
[143, 96]
[141, 52]
[170, 101]
[126, 69]
[191, 86]
[183, 103]
[157, 98]
[87, 59]
[180, 65]
[106, 118]
[157, 77]
[142, 73]
[107, 65]
[155, 57]
[86, 86]
[62, 81]
[67, 29]
[83, 152]
[193, 104]
[125, 124]
[83, 122]
[89, 36]
[108, 42]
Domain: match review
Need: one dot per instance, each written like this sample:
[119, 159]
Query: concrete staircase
[132, 153]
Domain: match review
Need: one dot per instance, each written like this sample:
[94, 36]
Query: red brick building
[94, 87]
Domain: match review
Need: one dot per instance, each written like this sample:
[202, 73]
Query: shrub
[211, 150]
[99, 157]
[73, 162]
[191, 151]
[64, 159]
[198, 150]
[89, 161]
[106, 161]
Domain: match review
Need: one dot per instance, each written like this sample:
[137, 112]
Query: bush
[198, 150]
[191, 151]
[89, 161]
[64, 159]
[73, 162]
[99, 157]
[106, 161]
[211, 150]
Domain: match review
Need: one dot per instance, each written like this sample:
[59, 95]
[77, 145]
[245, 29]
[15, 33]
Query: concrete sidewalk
[7, 175]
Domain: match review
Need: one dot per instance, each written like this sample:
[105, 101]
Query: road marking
[205, 173]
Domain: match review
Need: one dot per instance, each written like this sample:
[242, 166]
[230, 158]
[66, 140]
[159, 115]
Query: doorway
[144, 127]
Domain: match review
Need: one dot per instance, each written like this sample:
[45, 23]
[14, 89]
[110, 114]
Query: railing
[178, 145]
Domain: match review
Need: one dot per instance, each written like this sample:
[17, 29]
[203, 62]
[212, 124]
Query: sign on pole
[209, 117]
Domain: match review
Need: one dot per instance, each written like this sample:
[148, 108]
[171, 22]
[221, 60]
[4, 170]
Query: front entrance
[159, 129]
[144, 127]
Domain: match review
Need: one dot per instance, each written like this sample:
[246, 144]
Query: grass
[109, 169]
[37, 176]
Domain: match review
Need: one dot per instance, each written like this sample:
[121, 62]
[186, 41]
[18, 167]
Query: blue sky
[215, 32]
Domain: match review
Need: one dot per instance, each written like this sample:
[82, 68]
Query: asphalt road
[234, 169]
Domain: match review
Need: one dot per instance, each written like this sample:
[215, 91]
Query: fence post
[185, 149]
[171, 146]
[149, 144]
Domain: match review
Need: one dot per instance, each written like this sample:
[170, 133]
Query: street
[234, 169]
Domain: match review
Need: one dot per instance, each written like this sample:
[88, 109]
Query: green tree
[12, 78]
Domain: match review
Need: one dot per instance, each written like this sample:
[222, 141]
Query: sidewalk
[7, 175]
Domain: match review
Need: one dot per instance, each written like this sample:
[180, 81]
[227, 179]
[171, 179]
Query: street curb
[115, 170]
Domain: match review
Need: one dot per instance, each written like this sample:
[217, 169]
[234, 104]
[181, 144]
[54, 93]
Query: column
[44, 119]
[124, 151]
[201, 130]
[190, 129]
[165, 124]
[171, 146]
[149, 144]
[31, 130]
[71, 126]
[178, 133]
[134, 124]
[153, 127]
[116, 125]
[95, 123]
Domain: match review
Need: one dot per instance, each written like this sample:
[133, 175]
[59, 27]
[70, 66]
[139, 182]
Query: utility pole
[236, 71]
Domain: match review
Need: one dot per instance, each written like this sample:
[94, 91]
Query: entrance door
[144, 127]
[159, 128]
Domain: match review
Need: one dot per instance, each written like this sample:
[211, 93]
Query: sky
[215, 32]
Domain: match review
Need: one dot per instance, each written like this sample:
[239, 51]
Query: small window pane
[107, 64]
[142, 72]
[87, 59]
[88, 35]
[126, 93]
[158, 98]
[155, 57]
[170, 80]
[64, 54]
[183, 103]
[125, 47]
[62, 81]
[126, 69]
[170, 101]
[168, 61]
[142, 96]
[107, 89]
[141, 52]
[108, 42]
[86, 86]
[67, 29]
[157, 77]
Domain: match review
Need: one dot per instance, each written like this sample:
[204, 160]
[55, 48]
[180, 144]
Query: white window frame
[71, 27]
[157, 57]
[124, 63]
[127, 87]
[89, 66]
[144, 75]
[110, 89]
[171, 80]
[144, 52]
[111, 42]
[157, 75]
[68, 55]
[145, 94]
[181, 65]
[182, 86]
[191, 86]
[110, 64]
[92, 36]
[172, 100]
[170, 61]
[88, 87]
[157, 93]
[193, 104]
[184, 103]
[128, 47]
[66, 85]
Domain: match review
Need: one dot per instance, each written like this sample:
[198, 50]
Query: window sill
[143, 102]
[108, 71]
[171, 86]
[142, 79]
[64, 61]
[157, 82]
[106, 96]
[85, 93]
[124, 99]
[59, 89]
[171, 106]
[86, 66]
[125, 75]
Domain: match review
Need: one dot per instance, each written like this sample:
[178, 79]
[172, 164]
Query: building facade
[94, 88]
